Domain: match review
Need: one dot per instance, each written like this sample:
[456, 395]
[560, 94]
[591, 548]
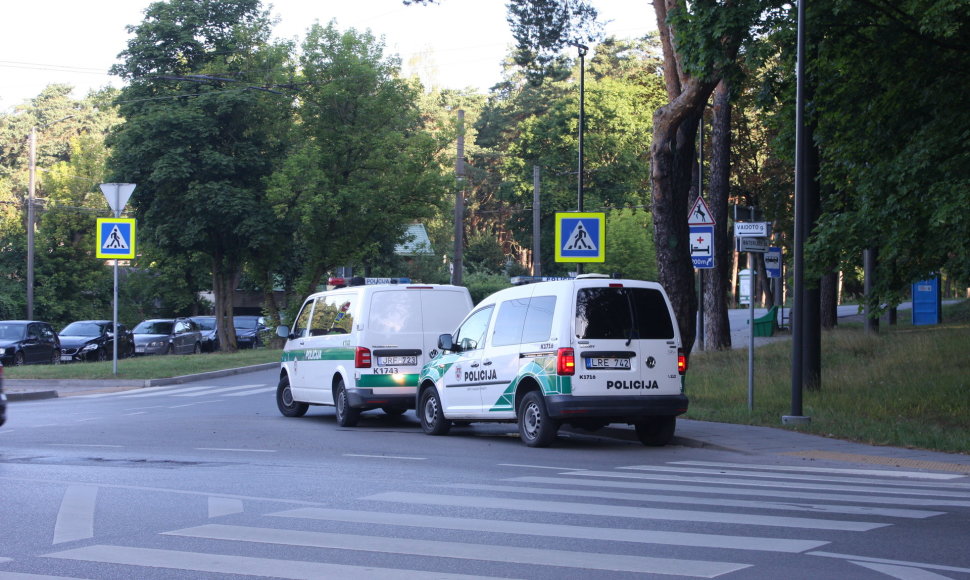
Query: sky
[462, 42]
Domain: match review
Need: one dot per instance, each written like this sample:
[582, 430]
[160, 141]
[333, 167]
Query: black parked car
[248, 330]
[167, 336]
[92, 340]
[28, 342]
[207, 325]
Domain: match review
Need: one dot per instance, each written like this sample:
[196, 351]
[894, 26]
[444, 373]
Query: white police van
[586, 352]
[361, 347]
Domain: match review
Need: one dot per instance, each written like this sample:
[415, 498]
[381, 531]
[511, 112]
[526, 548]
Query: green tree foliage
[629, 245]
[363, 165]
[205, 125]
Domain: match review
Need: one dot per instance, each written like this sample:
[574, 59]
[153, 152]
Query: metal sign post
[117, 195]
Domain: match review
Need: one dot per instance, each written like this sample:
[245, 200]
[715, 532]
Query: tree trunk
[717, 334]
[830, 300]
[224, 280]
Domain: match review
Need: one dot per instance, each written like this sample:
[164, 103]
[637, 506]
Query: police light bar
[338, 282]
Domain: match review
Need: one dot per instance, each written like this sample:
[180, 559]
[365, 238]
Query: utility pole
[32, 184]
[583, 49]
[459, 202]
[536, 253]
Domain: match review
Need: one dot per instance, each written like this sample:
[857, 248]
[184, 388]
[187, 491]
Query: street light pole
[583, 49]
[32, 184]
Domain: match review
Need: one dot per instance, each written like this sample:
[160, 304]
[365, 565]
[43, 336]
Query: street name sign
[116, 238]
[580, 237]
[757, 245]
[751, 229]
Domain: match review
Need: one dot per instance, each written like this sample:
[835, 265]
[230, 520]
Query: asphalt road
[208, 480]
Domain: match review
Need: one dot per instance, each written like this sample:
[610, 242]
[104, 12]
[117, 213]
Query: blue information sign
[702, 246]
[580, 237]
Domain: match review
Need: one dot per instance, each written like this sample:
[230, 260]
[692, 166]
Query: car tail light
[681, 361]
[362, 358]
[566, 362]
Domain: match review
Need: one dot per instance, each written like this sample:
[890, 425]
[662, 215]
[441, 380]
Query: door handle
[487, 363]
[474, 365]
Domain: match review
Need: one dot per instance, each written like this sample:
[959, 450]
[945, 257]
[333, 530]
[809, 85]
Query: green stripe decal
[377, 381]
[311, 354]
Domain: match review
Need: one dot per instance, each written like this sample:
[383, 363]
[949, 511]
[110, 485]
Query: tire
[100, 355]
[284, 400]
[170, 349]
[197, 349]
[430, 413]
[656, 431]
[394, 411]
[56, 357]
[347, 416]
[18, 359]
[536, 427]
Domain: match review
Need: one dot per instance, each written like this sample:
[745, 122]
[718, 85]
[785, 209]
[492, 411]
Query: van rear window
[622, 313]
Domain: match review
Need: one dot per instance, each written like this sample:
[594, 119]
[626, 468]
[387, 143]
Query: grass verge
[905, 386]
[148, 367]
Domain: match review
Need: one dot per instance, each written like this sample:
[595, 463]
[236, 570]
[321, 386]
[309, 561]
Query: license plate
[608, 363]
[404, 361]
[67, 357]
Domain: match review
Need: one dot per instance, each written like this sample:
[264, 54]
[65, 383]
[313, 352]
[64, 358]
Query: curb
[51, 393]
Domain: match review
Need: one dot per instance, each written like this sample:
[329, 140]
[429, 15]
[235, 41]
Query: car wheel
[170, 349]
[284, 400]
[347, 416]
[56, 357]
[656, 431]
[18, 359]
[197, 349]
[100, 355]
[536, 428]
[431, 414]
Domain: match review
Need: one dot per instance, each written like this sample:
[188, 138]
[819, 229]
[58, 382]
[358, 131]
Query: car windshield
[12, 331]
[240, 322]
[206, 323]
[154, 327]
[82, 329]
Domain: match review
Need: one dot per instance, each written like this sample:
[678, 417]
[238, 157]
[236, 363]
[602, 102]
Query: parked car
[93, 340]
[167, 336]
[248, 331]
[210, 337]
[28, 342]
[3, 399]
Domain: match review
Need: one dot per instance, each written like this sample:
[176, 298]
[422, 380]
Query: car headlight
[3, 350]
[155, 343]
[89, 347]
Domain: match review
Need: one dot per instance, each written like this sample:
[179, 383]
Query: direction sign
[700, 214]
[773, 262]
[751, 229]
[116, 238]
[702, 246]
[757, 245]
[580, 237]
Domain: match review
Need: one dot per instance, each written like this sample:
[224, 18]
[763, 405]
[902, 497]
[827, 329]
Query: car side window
[180, 327]
[538, 321]
[471, 334]
[302, 320]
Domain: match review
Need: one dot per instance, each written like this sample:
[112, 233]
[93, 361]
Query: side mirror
[446, 342]
[283, 331]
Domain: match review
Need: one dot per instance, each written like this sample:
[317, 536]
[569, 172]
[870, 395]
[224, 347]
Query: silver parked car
[167, 336]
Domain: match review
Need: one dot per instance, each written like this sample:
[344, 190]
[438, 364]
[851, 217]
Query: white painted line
[720, 501]
[541, 467]
[136, 413]
[185, 405]
[721, 489]
[887, 473]
[75, 519]
[258, 391]
[156, 392]
[224, 506]
[242, 565]
[464, 551]
[216, 391]
[385, 456]
[22, 576]
[857, 559]
[935, 485]
[231, 449]
[663, 537]
[82, 445]
[860, 489]
[902, 572]
[533, 505]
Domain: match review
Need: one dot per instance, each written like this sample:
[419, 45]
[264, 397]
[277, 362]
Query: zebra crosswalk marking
[841, 470]
[786, 506]
[464, 551]
[663, 537]
[243, 565]
[625, 511]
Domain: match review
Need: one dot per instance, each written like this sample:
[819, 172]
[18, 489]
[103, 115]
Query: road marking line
[242, 565]
[663, 537]
[881, 473]
[216, 390]
[902, 572]
[532, 505]
[719, 501]
[251, 392]
[879, 460]
[230, 449]
[385, 456]
[541, 467]
[83, 445]
[854, 558]
[75, 518]
[463, 551]
[224, 506]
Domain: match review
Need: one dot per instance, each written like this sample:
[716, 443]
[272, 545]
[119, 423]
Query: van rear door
[626, 342]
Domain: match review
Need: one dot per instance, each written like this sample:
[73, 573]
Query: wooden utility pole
[459, 202]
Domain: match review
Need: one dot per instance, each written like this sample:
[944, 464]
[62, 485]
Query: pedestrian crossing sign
[580, 237]
[116, 238]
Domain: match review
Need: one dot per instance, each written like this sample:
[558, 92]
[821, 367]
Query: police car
[586, 352]
[361, 346]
